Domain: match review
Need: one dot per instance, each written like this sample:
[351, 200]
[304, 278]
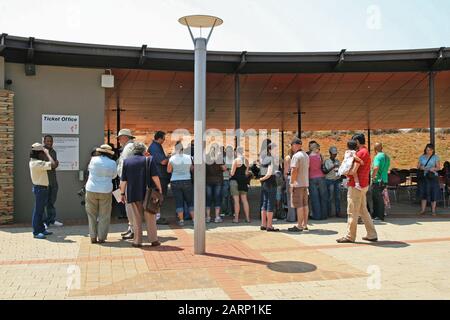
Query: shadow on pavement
[291, 267]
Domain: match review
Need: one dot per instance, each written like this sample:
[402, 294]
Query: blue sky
[252, 25]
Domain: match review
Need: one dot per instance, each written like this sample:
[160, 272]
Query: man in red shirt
[356, 199]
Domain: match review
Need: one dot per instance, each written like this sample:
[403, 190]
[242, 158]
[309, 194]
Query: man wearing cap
[40, 162]
[102, 170]
[333, 180]
[159, 156]
[299, 185]
[126, 140]
[52, 187]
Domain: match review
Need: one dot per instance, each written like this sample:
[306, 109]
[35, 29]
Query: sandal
[295, 229]
[263, 228]
[344, 240]
[272, 229]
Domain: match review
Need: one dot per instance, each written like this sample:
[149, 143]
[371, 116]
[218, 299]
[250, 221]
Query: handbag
[421, 173]
[153, 199]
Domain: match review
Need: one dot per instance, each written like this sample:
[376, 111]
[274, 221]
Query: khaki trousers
[128, 210]
[137, 211]
[357, 207]
[98, 209]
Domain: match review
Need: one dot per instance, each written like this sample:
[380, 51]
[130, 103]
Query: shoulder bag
[153, 199]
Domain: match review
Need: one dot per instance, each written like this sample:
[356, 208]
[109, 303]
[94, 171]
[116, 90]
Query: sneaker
[58, 224]
[47, 233]
[208, 219]
[181, 223]
[39, 236]
[218, 220]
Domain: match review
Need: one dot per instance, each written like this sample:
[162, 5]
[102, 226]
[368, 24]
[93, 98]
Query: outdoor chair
[394, 181]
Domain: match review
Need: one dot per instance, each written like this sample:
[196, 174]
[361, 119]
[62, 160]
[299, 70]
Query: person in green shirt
[379, 177]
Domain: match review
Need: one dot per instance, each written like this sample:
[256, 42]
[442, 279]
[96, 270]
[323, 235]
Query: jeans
[333, 187]
[50, 205]
[319, 198]
[213, 193]
[164, 184]
[226, 196]
[377, 200]
[40, 200]
[268, 197]
[183, 192]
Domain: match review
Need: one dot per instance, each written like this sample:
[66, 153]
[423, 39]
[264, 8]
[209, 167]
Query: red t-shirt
[363, 170]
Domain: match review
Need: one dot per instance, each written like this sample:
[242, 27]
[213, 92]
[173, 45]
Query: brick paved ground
[411, 262]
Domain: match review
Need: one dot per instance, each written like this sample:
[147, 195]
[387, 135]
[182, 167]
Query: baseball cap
[333, 150]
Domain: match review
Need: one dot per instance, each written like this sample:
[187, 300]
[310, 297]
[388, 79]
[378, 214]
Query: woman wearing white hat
[99, 187]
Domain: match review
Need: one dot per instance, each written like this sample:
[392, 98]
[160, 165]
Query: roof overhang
[59, 53]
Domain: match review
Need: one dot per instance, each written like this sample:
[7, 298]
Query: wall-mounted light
[108, 79]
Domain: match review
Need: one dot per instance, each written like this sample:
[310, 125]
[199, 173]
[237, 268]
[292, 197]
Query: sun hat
[37, 146]
[125, 132]
[104, 148]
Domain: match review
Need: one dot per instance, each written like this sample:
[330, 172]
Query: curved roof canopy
[46, 52]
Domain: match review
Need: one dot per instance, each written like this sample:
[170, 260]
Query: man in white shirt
[299, 185]
[40, 162]
[126, 140]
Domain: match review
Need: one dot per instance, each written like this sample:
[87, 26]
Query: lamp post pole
[199, 129]
[200, 44]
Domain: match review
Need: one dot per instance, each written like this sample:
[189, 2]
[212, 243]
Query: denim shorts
[183, 191]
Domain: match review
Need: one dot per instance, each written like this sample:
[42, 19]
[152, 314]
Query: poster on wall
[67, 150]
[60, 124]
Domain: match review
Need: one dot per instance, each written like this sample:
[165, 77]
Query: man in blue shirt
[161, 160]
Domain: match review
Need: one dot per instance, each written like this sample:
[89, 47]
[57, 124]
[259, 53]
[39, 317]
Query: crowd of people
[304, 184]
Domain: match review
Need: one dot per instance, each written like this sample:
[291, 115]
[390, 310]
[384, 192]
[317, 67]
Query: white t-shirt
[181, 164]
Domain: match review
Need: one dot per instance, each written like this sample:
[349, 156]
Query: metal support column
[237, 109]
[368, 140]
[299, 119]
[431, 97]
[118, 118]
[199, 129]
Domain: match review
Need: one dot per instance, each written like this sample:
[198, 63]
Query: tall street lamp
[200, 43]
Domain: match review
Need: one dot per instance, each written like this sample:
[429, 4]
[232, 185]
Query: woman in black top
[239, 184]
[214, 181]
